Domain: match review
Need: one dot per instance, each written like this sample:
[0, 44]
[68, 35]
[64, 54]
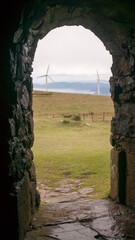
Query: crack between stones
[51, 237]
[98, 236]
[68, 222]
[57, 224]
[106, 237]
[85, 234]
[33, 227]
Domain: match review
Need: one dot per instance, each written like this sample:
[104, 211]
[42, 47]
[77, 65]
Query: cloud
[71, 50]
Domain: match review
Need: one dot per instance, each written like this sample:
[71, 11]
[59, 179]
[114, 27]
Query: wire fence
[93, 117]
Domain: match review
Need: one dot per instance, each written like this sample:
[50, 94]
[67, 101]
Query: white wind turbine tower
[46, 77]
[98, 81]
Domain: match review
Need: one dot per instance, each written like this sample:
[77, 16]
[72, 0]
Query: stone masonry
[26, 22]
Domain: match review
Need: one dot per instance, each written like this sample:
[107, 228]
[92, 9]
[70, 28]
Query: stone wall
[21, 169]
[123, 123]
[25, 23]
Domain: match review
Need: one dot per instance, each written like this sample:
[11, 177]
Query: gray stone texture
[23, 24]
[84, 220]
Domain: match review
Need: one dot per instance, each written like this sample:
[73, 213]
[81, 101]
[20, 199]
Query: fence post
[103, 116]
[92, 116]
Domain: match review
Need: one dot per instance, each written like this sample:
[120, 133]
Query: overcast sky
[71, 50]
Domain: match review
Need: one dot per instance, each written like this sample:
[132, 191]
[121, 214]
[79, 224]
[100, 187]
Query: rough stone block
[130, 185]
[24, 205]
[27, 202]
[114, 175]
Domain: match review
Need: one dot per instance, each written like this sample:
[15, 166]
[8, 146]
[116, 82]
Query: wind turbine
[46, 77]
[98, 81]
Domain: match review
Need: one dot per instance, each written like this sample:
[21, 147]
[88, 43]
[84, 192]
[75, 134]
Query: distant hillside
[90, 87]
[72, 78]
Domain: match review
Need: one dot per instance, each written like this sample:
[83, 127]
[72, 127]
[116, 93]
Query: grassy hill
[65, 148]
[64, 103]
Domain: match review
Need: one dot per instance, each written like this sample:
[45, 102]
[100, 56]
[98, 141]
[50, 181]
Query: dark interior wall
[19, 197]
[24, 23]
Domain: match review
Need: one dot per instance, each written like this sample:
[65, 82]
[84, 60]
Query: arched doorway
[113, 23]
[73, 54]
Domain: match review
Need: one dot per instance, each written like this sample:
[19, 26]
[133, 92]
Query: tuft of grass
[66, 121]
[76, 118]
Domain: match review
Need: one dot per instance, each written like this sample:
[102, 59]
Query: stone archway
[113, 23]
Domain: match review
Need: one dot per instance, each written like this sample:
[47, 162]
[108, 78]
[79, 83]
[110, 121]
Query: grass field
[69, 149]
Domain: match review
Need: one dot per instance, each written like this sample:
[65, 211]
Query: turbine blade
[50, 78]
[98, 75]
[42, 76]
[48, 69]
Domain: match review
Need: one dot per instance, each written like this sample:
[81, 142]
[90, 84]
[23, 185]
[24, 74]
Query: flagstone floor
[83, 220]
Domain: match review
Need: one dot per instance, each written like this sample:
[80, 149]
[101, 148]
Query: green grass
[61, 103]
[74, 150]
